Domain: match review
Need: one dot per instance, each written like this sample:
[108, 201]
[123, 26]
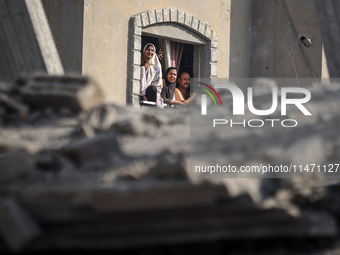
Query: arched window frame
[152, 17]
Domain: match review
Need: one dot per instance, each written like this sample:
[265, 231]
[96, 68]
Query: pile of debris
[78, 174]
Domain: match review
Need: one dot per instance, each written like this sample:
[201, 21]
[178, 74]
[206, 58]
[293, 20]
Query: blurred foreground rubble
[79, 174]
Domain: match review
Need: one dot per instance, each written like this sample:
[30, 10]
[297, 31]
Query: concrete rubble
[87, 175]
[16, 227]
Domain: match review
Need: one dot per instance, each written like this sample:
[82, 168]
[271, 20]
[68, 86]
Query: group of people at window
[162, 91]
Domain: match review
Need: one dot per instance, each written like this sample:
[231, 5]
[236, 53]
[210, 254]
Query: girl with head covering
[169, 86]
[151, 75]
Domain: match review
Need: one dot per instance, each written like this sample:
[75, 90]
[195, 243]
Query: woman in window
[151, 76]
[169, 86]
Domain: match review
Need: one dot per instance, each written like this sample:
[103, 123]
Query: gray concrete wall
[255, 37]
[275, 48]
[240, 34]
[330, 27]
[66, 21]
[26, 43]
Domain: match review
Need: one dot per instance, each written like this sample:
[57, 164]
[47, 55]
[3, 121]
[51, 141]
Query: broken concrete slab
[55, 204]
[165, 196]
[15, 165]
[12, 105]
[16, 226]
[59, 92]
[4, 88]
[137, 191]
[318, 224]
[230, 219]
[85, 152]
[101, 118]
[47, 160]
[169, 167]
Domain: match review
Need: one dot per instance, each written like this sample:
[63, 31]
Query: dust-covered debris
[124, 173]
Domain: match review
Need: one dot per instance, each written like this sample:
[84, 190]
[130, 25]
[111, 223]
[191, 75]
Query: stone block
[137, 41]
[152, 17]
[16, 226]
[136, 57]
[214, 41]
[188, 19]
[201, 27]
[166, 15]
[159, 15]
[213, 69]
[135, 102]
[194, 24]
[74, 93]
[138, 21]
[137, 31]
[214, 55]
[145, 19]
[173, 15]
[180, 16]
[136, 72]
[14, 165]
[136, 86]
[208, 32]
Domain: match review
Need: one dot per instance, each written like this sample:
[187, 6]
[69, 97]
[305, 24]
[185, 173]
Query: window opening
[186, 53]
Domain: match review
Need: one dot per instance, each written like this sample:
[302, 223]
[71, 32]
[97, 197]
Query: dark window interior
[149, 39]
[187, 59]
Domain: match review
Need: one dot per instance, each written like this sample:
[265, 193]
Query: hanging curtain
[176, 54]
[165, 46]
[173, 52]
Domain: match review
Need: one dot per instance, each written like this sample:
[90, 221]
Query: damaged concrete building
[222, 38]
[80, 171]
